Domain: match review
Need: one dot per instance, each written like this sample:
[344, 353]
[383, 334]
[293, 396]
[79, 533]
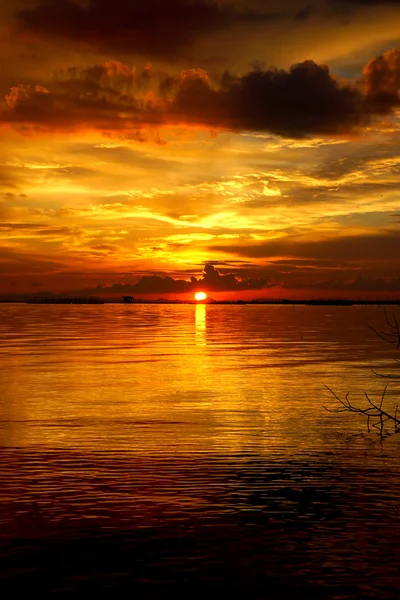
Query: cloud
[211, 280]
[372, 247]
[304, 13]
[381, 80]
[109, 98]
[15, 261]
[153, 28]
[304, 99]
[363, 284]
[104, 97]
[345, 283]
[118, 100]
[365, 2]
[12, 196]
[348, 8]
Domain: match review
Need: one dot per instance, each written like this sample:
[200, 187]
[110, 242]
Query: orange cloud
[381, 80]
[115, 98]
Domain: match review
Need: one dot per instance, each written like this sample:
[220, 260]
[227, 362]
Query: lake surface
[185, 450]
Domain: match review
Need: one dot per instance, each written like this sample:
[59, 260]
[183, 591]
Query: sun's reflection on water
[201, 324]
[202, 424]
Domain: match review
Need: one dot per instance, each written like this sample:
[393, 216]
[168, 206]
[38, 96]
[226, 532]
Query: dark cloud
[305, 99]
[304, 13]
[364, 2]
[211, 281]
[108, 97]
[379, 246]
[381, 80]
[360, 283]
[349, 8]
[116, 99]
[12, 196]
[304, 263]
[152, 28]
[16, 262]
[374, 284]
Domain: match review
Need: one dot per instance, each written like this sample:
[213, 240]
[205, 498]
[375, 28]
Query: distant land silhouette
[51, 298]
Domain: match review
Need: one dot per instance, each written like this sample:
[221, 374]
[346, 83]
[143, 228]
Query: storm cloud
[152, 28]
[304, 99]
[364, 2]
[112, 97]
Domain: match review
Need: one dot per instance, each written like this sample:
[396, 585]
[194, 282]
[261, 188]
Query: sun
[200, 296]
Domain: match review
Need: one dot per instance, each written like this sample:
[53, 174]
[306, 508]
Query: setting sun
[200, 296]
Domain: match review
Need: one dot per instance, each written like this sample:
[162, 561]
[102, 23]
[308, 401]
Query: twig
[376, 416]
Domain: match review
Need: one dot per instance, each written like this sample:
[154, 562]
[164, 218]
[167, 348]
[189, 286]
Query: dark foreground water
[183, 451]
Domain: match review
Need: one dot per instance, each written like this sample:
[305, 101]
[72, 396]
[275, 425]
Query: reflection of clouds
[201, 324]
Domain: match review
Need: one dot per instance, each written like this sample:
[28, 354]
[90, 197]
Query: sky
[250, 149]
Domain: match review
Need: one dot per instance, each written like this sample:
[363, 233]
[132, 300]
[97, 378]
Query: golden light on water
[200, 296]
[201, 324]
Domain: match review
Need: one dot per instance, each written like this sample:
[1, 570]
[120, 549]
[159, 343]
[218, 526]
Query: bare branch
[385, 375]
[377, 417]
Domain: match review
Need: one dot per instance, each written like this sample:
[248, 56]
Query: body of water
[185, 450]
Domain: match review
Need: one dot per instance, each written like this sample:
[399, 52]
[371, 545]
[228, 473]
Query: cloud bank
[210, 281]
[375, 246]
[115, 98]
[155, 28]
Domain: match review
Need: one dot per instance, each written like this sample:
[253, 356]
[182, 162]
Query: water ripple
[184, 450]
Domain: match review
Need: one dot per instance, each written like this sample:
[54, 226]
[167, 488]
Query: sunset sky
[245, 148]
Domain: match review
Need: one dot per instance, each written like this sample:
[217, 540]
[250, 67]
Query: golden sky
[251, 149]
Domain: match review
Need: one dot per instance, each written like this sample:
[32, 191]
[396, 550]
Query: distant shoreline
[281, 302]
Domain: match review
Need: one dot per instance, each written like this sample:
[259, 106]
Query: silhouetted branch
[385, 375]
[393, 335]
[376, 415]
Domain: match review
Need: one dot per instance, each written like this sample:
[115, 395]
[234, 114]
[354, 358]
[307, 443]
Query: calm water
[184, 450]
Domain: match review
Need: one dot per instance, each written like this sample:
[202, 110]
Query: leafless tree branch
[377, 416]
